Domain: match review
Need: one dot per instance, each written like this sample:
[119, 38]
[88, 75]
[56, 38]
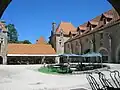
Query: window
[76, 43]
[82, 31]
[101, 43]
[109, 19]
[104, 20]
[101, 35]
[60, 42]
[68, 46]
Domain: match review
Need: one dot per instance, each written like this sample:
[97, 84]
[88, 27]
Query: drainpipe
[94, 48]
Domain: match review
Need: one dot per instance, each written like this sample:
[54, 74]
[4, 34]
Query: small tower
[53, 27]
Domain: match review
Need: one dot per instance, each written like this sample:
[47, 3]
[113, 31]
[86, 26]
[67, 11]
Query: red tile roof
[109, 13]
[66, 27]
[95, 21]
[30, 49]
[41, 40]
[83, 26]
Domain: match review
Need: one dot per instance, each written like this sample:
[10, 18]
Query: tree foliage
[12, 33]
[26, 42]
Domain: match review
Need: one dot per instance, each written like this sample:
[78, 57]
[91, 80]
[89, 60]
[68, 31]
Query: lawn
[52, 70]
[47, 70]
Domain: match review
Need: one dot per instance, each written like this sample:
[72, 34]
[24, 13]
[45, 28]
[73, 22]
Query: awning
[54, 55]
[93, 54]
[70, 55]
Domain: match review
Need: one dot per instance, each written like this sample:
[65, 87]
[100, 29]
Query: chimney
[53, 27]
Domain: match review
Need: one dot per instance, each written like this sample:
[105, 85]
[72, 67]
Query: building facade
[100, 34]
[59, 35]
[37, 53]
[3, 33]
[3, 44]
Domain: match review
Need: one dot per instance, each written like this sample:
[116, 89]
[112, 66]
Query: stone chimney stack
[53, 27]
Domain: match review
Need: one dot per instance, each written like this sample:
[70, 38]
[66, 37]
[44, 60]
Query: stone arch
[105, 54]
[117, 55]
[1, 60]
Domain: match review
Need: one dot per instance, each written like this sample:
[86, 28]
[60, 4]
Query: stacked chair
[105, 84]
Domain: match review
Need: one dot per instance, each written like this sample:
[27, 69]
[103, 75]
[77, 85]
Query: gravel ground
[27, 77]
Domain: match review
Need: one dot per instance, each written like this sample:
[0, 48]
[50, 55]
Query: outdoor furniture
[93, 83]
[106, 83]
[73, 69]
[93, 54]
[89, 67]
[56, 67]
[115, 76]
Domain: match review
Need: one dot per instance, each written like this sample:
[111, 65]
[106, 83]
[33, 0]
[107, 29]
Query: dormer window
[82, 31]
[104, 21]
[90, 27]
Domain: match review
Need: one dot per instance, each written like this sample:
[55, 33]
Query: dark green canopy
[3, 6]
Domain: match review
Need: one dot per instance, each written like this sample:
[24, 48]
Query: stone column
[43, 59]
[109, 57]
[4, 60]
[57, 60]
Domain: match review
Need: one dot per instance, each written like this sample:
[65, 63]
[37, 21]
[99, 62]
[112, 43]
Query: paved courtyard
[26, 77]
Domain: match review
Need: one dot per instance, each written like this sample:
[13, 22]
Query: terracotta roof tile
[30, 49]
[83, 26]
[95, 20]
[73, 32]
[109, 13]
[66, 27]
[41, 40]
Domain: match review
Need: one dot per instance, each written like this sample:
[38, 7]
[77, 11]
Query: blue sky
[33, 18]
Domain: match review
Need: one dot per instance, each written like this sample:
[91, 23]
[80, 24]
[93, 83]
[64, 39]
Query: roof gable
[66, 27]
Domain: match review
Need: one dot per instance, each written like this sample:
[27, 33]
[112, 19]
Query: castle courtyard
[27, 77]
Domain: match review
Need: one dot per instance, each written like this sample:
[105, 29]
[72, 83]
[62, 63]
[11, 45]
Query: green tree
[12, 33]
[26, 42]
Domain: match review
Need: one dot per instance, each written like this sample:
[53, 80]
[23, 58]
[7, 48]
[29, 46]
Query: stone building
[101, 34]
[3, 33]
[31, 53]
[3, 44]
[59, 35]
